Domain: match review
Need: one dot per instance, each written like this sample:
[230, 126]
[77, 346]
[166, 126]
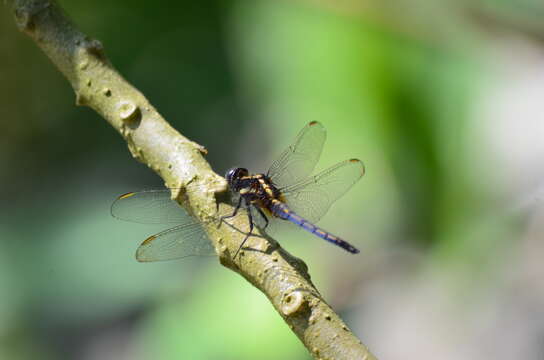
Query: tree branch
[283, 278]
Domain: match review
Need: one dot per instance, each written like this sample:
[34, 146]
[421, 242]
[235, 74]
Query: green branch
[180, 162]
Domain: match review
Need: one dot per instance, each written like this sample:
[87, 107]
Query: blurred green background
[439, 99]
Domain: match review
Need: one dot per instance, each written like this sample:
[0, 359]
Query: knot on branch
[92, 46]
[27, 12]
[129, 113]
[293, 303]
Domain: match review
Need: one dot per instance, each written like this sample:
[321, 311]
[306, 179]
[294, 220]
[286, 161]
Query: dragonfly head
[233, 177]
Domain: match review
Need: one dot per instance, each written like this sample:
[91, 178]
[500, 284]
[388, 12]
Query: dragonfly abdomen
[281, 210]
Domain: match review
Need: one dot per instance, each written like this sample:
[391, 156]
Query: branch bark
[180, 162]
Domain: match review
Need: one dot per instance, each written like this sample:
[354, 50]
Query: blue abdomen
[282, 211]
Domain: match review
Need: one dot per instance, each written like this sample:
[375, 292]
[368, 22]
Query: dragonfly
[286, 192]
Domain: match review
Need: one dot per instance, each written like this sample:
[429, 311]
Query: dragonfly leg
[250, 218]
[234, 213]
[264, 217]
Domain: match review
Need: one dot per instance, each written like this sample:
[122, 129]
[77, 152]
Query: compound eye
[230, 175]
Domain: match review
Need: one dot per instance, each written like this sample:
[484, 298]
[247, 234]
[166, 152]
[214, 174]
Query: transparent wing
[177, 242]
[149, 207]
[298, 161]
[312, 197]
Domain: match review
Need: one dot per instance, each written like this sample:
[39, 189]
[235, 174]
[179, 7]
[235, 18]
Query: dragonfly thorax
[256, 189]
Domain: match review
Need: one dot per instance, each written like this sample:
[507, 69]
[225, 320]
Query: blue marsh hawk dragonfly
[286, 192]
